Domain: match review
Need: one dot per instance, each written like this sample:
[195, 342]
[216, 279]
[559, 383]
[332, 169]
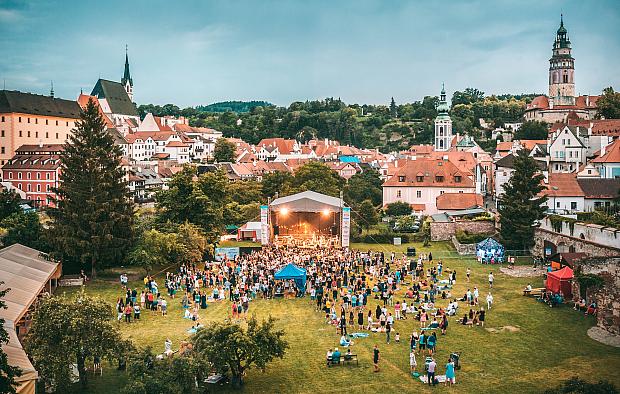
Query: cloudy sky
[191, 52]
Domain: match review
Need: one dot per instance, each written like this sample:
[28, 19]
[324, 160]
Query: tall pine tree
[520, 206]
[393, 110]
[92, 223]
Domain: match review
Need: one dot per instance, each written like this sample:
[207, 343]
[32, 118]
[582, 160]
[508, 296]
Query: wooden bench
[344, 358]
[68, 281]
[534, 292]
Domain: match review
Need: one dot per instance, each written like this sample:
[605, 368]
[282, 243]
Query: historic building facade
[561, 100]
[443, 124]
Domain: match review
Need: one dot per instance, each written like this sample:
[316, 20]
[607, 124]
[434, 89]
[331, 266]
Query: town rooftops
[612, 154]
[600, 187]
[116, 96]
[429, 173]
[563, 185]
[12, 101]
[458, 201]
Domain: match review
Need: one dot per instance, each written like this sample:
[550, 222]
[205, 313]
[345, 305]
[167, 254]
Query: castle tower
[126, 81]
[562, 69]
[443, 124]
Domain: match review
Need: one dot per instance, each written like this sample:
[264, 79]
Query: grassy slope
[551, 345]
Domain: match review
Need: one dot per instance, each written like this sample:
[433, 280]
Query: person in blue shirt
[431, 341]
[336, 356]
[450, 374]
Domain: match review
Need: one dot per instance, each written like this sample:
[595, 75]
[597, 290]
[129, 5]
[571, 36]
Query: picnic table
[344, 358]
[534, 292]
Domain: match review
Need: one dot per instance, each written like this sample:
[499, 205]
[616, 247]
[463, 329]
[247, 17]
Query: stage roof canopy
[307, 201]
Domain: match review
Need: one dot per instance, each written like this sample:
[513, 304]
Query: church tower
[443, 124]
[562, 69]
[126, 81]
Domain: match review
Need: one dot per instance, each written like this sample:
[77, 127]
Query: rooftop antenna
[52, 89]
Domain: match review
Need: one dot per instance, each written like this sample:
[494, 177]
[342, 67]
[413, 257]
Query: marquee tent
[560, 280]
[490, 249]
[291, 271]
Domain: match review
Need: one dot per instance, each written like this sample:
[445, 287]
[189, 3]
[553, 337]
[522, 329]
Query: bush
[465, 237]
[579, 386]
[398, 209]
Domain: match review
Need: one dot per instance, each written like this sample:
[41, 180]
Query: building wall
[592, 239]
[37, 184]
[34, 129]
[428, 195]
[502, 175]
[564, 205]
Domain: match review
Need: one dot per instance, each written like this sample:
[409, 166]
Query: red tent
[560, 280]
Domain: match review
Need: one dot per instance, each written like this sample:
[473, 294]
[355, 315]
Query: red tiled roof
[431, 168]
[458, 200]
[176, 144]
[609, 127]
[540, 102]
[284, 146]
[503, 146]
[83, 101]
[563, 185]
[612, 153]
[531, 144]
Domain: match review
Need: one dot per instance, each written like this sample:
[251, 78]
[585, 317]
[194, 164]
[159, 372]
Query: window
[28, 133]
[441, 192]
[398, 194]
[28, 175]
[573, 205]
[3, 150]
[557, 204]
[401, 178]
[36, 134]
[19, 119]
[56, 135]
[47, 175]
[418, 194]
[38, 188]
[36, 120]
[10, 175]
[47, 135]
[19, 186]
[38, 175]
[20, 133]
[47, 188]
[457, 179]
[28, 120]
[2, 134]
[19, 176]
[439, 178]
[3, 118]
[28, 187]
[47, 122]
[56, 123]
[67, 124]
[419, 178]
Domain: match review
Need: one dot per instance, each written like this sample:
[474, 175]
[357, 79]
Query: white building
[443, 124]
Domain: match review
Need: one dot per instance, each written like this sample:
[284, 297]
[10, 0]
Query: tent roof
[307, 201]
[489, 242]
[464, 212]
[17, 357]
[25, 272]
[290, 271]
[251, 226]
[564, 273]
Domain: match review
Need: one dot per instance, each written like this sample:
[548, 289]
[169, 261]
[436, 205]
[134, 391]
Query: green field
[548, 345]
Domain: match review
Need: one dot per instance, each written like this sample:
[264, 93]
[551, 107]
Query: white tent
[307, 201]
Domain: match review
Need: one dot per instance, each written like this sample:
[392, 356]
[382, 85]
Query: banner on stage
[229, 253]
[346, 227]
[264, 224]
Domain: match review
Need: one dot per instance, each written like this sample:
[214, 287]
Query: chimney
[603, 148]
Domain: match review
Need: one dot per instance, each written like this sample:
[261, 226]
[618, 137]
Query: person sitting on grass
[328, 357]
[592, 309]
[344, 341]
[580, 304]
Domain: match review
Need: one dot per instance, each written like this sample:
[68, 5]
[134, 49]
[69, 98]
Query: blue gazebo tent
[490, 249]
[291, 271]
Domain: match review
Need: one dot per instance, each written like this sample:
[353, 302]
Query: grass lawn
[550, 345]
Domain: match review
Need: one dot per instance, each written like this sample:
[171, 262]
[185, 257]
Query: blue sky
[198, 52]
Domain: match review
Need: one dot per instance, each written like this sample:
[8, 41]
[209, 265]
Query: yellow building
[32, 119]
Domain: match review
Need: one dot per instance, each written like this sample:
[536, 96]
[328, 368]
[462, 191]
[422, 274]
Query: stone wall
[607, 297]
[591, 239]
[463, 249]
[444, 231]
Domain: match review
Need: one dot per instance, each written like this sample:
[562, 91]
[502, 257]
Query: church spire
[126, 75]
[52, 89]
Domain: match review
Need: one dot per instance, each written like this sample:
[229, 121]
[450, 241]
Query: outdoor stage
[306, 219]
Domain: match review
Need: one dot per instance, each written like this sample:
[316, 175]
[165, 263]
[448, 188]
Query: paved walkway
[604, 336]
[523, 271]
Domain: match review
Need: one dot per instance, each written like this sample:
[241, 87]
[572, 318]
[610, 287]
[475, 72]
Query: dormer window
[457, 178]
[419, 178]
[439, 178]
[401, 178]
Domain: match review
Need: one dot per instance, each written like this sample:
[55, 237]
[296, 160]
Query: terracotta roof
[155, 135]
[40, 148]
[612, 154]
[284, 146]
[531, 144]
[456, 201]
[503, 146]
[539, 102]
[161, 155]
[277, 166]
[563, 185]
[418, 207]
[419, 150]
[176, 144]
[431, 170]
[586, 101]
[33, 161]
[610, 127]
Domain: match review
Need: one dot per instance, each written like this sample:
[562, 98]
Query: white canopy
[308, 201]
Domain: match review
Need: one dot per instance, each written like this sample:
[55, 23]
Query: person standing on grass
[412, 362]
[164, 307]
[388, 330]
[128, 311]
[431, 372]
[450, 373]
[444, 324]
[491, 278]
[489, 300]
[468, 274]
[136, 312]
[481, 317]
[375, 358]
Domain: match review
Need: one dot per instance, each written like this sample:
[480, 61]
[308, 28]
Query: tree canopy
[92, 223]
[609, 104]
[8, 373]
[532, 130]
[224, 151]
[520, 206]
[398, 208]
[9, 203]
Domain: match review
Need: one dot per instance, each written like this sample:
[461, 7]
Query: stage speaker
[276, 230]
[334, 230]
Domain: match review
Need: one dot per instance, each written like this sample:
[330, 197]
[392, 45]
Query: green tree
[149, 375]
[195, 199]
[224, 151]
[92, 223]
[9, 203]
[67, 330]
[366, 214]
[520, 205]
[398, 208]
[8, 373]
[393, 109]
[575, 385]
[231, 347]
[609, 104]
[276, 182]
[317, 177]
[193, 244]
[24, 228]
[532, 130]
[365, 185]
[245, 192]
[154, 248]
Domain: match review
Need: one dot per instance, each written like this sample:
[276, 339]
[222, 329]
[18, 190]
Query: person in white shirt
[489, 300]
[491, 279]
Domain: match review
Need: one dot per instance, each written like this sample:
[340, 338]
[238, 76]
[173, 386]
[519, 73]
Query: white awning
[308, 201]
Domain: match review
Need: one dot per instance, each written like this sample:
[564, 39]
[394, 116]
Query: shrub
[398, 209]
[465, 237]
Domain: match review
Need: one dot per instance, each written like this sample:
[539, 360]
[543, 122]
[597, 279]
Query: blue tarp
[291, 271]
[349, 159]
[488, 249]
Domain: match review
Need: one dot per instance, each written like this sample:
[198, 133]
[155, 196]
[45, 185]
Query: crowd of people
[366, 292]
